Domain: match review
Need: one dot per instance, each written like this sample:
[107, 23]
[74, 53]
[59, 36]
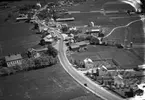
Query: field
[125, 59]
[16, 38]
[51, 83]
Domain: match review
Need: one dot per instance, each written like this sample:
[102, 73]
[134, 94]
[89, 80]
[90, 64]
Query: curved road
[123, 26]
[80, 78]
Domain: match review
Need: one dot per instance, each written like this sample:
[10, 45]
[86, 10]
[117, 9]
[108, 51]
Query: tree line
[46, 59]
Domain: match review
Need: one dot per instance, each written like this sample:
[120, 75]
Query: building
[88, 63]
[63, 18]
[48, 38]
[74, 47]
[13, 60]
[22, 17]
[67, 37]
[78, 45]
[83, 43]
[91, 30]
[118, 80]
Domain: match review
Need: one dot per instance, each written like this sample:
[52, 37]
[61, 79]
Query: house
[48, 38]
[67, 37]
[63, 18]
[90, 30]
[118, 80]
[74, 47]
[102, 70]
[22, 17]
[88, 63]
[38, 48]
[83, 43]
[78, 45]
[13, 60]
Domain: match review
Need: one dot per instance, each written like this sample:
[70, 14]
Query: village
[87, 51]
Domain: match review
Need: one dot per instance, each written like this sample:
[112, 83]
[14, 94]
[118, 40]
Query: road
[80, 78]
[123, 26]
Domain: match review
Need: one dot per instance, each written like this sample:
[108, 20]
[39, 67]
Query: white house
[67, 37]
[88, 63]
[13, 60]
[48, 38]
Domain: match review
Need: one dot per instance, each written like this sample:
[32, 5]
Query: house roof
[73, 46]
[88, 60]
[82, 43]
[13, 57]
[92, 29]
[38, 48]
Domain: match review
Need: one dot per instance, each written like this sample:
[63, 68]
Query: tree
[52, 61]
[94, 41]
[52, 51]
[44, 14]
[82, 64]
[5, 71]
[42, 42]
[89, 37]
[17, 67]
[64, 29]
[37, 63]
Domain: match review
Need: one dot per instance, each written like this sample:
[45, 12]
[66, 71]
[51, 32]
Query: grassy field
[17, 38]
[51, 83]
[131, 32]
[124, 59]
[111, 5]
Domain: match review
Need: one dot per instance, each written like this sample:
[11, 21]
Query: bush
[12, 70]
[94, 41]
[119, 46]
[5, 71]
[17, 67]
[52, 51]
[37, 63]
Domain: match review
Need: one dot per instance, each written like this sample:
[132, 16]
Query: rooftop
[13, 57]
[83, 43]
[74, 46]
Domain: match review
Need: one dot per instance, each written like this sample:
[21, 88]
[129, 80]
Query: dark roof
[78, 44]
[38, 48]
[13, 57]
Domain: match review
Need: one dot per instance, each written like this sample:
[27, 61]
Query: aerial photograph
[72, 50]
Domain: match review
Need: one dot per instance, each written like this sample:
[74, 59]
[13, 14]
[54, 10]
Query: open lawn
[51, 83]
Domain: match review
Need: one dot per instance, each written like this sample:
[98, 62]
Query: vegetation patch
[46, 59]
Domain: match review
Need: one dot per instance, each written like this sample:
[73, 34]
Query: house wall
[13, 63]
[74, 49]
[88, 66]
